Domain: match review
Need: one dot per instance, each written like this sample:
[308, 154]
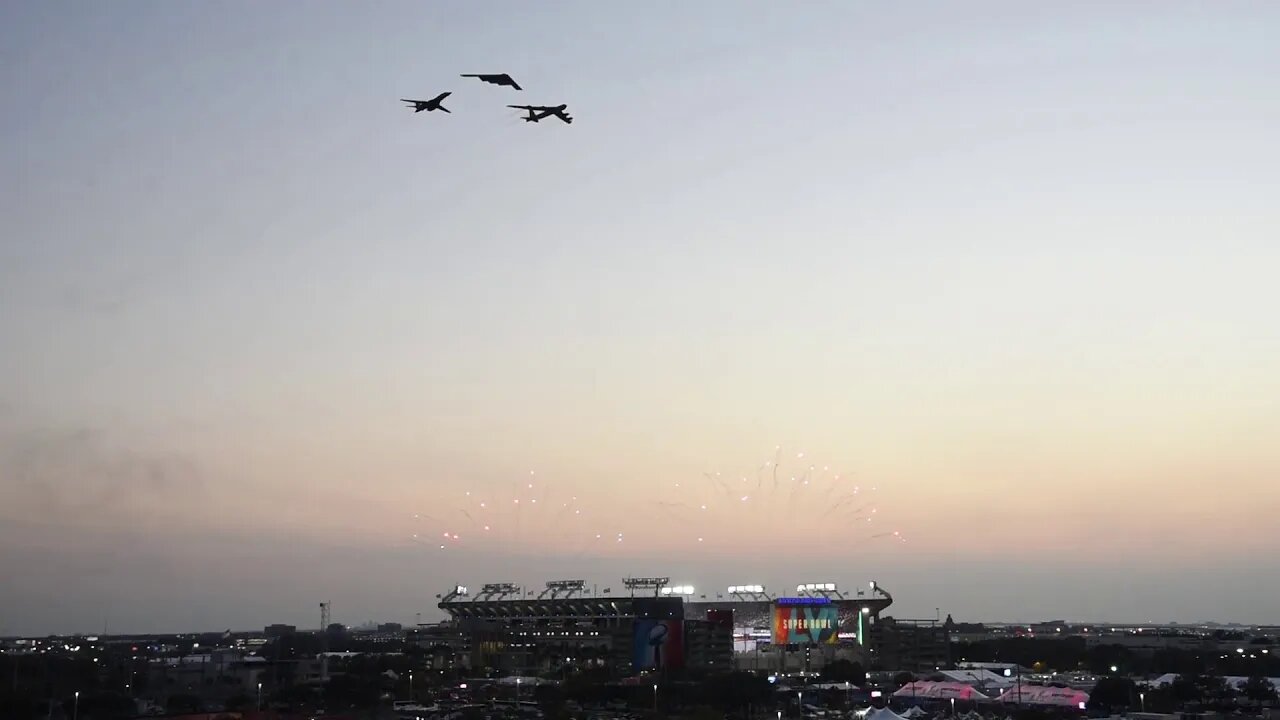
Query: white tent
[1046, 695]
[929, 690]
[979, 677]
[882, 714]
[517, 680]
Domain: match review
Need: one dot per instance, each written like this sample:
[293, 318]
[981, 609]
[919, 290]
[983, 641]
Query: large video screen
[805, 624]
[658, 645]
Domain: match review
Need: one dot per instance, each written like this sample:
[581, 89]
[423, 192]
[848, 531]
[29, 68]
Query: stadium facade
[652, 626]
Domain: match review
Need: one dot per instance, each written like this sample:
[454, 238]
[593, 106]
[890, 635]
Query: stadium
[651, 625]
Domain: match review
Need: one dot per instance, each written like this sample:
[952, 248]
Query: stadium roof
[584, 607]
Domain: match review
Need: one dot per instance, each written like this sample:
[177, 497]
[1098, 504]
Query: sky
[976, 300]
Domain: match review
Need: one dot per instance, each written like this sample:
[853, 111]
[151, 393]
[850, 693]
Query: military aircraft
[432, 104]
[501, 79]
[540, 112]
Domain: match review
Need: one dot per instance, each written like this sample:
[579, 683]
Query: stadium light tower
[823, 589]
[877, 588]
[650, 583]
[457, 592]
[748, 593]
[678, 590]
[498, 591]
[568, 587]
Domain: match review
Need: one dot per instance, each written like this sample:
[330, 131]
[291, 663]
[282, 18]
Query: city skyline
[1007, 270]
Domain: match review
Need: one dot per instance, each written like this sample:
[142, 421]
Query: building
[446, 645]
[912, 645]
[217, 673]
[1147, 643]
[276, 630]
[530, 636]
[965, 632]
[663, 628]
[709, 642]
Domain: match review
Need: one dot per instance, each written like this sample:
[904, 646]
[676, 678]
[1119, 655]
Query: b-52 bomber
[541, 112]
[429, 105]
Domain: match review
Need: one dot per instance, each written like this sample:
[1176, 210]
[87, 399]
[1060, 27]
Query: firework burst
[784, 499]
[512, 522]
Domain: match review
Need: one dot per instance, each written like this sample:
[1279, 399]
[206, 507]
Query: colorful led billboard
[658, 645]
[805, 624]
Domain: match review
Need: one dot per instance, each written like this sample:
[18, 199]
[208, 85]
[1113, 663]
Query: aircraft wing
[531, 108]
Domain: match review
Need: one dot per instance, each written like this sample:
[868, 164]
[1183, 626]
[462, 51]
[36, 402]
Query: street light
[1008, 672]
[517, 693]
[410, 684]
[953, 706]
[655, 698]
[1142, 699]
[259, 696]
[75, 712]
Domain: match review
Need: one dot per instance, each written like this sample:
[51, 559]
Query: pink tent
[1046, 695]
[930, 690]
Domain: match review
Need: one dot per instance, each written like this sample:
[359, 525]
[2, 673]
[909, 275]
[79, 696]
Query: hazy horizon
[1007, 270]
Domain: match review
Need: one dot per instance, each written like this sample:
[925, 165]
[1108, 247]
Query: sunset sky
[1009, 269]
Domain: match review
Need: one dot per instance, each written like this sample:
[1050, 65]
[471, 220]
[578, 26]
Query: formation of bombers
[535, 113]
